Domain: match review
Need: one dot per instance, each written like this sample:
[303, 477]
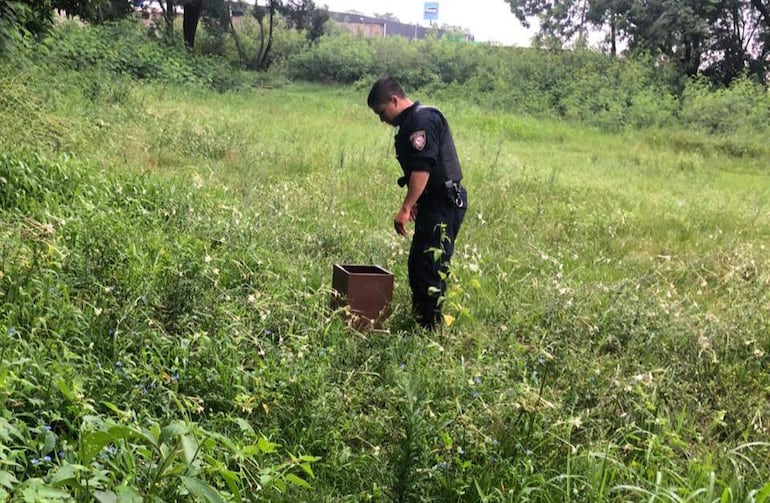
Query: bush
[344, 59]
[742, 107]
[408, 61]
[126, 48]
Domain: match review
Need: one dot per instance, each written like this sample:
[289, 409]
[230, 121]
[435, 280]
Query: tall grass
[165, 332]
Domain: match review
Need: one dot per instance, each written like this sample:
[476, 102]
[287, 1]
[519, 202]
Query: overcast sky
[488, 20]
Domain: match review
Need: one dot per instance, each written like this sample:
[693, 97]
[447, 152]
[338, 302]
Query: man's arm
[418, 180]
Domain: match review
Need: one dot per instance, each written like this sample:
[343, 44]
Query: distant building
[376, 27]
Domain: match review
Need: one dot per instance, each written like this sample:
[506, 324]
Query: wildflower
[575, 422]
[402, 366]
[47, 459]
[474, 394]
[477, 380]
[35, 461]
[47, 427]
[440, 466]
[12, 331]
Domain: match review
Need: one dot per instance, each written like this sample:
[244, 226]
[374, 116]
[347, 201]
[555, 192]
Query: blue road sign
[430, 11]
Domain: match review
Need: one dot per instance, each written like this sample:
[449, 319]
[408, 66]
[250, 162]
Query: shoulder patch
[417, 140]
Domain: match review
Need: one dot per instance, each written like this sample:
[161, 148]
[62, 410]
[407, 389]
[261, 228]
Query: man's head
[387, 99]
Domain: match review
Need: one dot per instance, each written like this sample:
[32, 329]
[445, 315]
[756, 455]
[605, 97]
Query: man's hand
[403, 216]
[418, 180]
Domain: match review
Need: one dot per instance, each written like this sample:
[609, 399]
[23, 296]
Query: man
[434, 200]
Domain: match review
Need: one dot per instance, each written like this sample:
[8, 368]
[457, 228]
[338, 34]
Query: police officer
[435, 201]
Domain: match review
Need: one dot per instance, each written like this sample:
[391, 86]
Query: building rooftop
[390, 27]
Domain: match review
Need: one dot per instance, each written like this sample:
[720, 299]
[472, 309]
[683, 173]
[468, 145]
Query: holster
[454, 193]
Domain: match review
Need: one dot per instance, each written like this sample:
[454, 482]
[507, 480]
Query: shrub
[344, 59]
[125, 48]
[742, 107]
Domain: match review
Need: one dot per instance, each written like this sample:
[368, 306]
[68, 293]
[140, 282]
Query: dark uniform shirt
[424, 143]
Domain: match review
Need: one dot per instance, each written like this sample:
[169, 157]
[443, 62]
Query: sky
[488, 20]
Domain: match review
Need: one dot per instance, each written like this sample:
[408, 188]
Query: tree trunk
[192, 14]
[234, 34]
[764, 10]
[168, 14]
[264, 62]
[613, 34]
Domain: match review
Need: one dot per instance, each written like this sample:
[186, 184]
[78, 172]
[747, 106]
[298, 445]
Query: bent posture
[435, 201]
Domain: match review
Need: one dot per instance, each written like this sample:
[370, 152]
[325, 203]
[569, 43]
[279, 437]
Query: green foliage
[333, 59]
[21, 105]
[742, 108]
[127, 49]
[13, 17]
[165, 330]
[70, 449]
[729, 35]
[286, 42]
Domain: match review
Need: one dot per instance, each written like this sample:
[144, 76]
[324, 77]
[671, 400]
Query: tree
[262, 59]
[726, 37]
[560, 20]
[93, 11]
[20, 18]
[304, 15]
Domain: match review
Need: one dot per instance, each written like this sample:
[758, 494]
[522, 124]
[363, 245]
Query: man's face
[388, 111]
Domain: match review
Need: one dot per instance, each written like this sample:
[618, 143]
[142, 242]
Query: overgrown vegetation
[165, 258]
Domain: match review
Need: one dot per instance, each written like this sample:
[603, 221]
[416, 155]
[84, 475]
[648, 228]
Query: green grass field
[166, 332]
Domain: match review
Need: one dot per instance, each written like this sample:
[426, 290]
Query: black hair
[382, 90]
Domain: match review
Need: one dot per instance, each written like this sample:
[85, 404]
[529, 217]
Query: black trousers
[436, 226]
